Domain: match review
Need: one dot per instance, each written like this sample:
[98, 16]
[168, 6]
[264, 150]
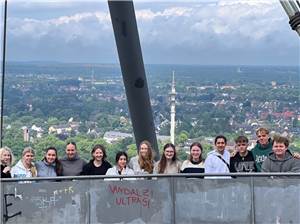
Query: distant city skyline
[232, 32]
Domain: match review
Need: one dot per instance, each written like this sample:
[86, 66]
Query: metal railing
[179, 198]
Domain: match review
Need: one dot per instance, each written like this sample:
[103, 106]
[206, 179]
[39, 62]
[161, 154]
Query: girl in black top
[6, 160]
[195, 163]
[98, 165]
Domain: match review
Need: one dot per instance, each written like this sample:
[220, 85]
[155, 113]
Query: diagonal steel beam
[131, 60]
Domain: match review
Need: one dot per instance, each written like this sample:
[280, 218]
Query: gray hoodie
[288, 164]
[72, 167]
[45, 169]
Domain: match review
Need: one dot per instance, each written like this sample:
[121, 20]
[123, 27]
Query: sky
[210, 32]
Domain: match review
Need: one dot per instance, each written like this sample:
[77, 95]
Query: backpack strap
[220, 157]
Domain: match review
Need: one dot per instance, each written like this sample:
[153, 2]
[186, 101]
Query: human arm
[296, 166]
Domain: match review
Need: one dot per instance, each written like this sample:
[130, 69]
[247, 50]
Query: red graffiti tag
[125, 196]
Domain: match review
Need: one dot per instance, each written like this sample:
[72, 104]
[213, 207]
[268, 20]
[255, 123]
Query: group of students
[269, 155]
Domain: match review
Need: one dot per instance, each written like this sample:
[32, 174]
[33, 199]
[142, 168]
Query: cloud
[236, 20]
[226, 30]
[173, 32]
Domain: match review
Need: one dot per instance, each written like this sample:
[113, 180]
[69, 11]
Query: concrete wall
[162, 200]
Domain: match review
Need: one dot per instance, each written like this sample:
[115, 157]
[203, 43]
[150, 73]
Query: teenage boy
[281, 159]
[243, 161]
[262, 148]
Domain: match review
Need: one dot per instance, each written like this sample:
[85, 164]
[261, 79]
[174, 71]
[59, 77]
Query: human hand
[6, 169]
[233, 153]
[296, 155]
[123, 170]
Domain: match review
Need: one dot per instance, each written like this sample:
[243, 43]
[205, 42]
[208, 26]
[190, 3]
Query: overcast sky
[238, 32]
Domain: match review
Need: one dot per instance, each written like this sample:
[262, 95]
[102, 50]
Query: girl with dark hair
[50, 166]
[98, 165]
[121, 165]
[195, 163]
[143, 163]
[168, 163]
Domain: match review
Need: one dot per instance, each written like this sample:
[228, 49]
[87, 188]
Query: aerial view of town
[150, 111]
[51, 103]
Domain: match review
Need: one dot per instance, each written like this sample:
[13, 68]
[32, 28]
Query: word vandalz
[131, 196]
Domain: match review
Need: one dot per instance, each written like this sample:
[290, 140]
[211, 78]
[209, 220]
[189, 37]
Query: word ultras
[125, 196]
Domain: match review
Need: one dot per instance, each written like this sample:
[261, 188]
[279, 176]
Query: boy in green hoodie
[262, 148]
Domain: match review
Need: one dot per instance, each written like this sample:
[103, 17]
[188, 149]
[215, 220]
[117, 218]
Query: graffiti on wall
[126, 196]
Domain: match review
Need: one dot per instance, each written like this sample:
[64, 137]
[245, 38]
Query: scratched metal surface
[89, 201]
[213, 200]
[140, 201]
[45, 202]
[277, 200]
[153, 201]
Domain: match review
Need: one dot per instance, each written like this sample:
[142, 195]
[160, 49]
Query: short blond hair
[262, 130]
[6, 149]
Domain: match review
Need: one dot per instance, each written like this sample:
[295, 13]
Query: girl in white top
[120, 168]
[168, 163]
[195, 164]
[25, 167]
[143, 163]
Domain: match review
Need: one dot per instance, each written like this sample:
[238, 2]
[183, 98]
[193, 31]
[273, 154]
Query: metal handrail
[149, 176]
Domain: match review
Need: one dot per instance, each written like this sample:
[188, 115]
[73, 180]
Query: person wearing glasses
[243, 161]
[168, 163]
[72, 164]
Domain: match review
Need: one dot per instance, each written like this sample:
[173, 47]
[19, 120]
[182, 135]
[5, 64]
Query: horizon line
[170, 64]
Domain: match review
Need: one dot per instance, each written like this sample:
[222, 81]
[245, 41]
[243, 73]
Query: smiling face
[220, 145]
[279, 149]
[51, 156]
[6, 158]
[122, 162]
[169, 153]
[70, 151]
[262, 137]
[144, 150]
[196, 153]
[28, 157]
[98, 155]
